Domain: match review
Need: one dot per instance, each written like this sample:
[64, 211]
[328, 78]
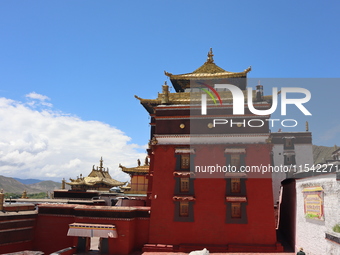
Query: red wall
[16, 231]
[209, 225]
[14, 247]
[141, 233]
[51, 229]
[51, 233]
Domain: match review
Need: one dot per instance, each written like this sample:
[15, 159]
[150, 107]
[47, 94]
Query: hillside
[10, 185]
[322, 153]
[46, 186]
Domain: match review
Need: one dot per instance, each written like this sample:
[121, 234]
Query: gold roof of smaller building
[97, 176]
[138, 169]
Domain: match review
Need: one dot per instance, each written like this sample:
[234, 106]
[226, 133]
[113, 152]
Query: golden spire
[101, 164]
[210, 56]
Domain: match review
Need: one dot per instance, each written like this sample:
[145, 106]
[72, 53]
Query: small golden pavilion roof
[100, 175]
[209, 70]
[138, 169]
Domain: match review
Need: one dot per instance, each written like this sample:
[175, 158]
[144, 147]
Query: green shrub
[336, 228]
[37, 195]
[34, 196]
[13, 195]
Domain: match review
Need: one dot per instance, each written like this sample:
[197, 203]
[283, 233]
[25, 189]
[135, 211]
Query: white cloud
[36, 100]
[34, 95]
[47, 144]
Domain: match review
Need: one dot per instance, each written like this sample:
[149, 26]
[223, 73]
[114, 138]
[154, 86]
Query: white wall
[310, 234]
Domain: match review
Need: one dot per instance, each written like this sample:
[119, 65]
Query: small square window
[235, 185]
[184, 209]
[184, 184]
[185, 161]
[235, 210]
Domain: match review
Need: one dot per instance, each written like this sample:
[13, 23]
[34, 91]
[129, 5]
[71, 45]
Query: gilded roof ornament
[210, 56]
[146, 161]
[137, 97]
[154, 141]
[101, 164]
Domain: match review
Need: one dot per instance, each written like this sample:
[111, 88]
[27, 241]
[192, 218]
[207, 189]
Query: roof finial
[210, 56]
[101, 164]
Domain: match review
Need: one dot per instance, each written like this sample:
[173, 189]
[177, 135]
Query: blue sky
[82, 62]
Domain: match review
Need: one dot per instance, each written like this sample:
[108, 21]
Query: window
[288, 143]
[235, 210]
[289, 160]
[185, 161]
[235, 160]
[235, 185]
[236, 201]
[184, 185]
[184, 209]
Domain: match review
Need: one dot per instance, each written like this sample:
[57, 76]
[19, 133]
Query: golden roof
[192, 98]
[138, 169]
[186, 98]
[187, 86]
[91, 181]
[209, 70]
[97, 176]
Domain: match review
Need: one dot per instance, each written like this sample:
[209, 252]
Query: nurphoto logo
[238, 104]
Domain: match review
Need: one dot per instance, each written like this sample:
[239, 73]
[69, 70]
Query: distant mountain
[47, 186]
[28, 181]
[322, 153]
[11, 185]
